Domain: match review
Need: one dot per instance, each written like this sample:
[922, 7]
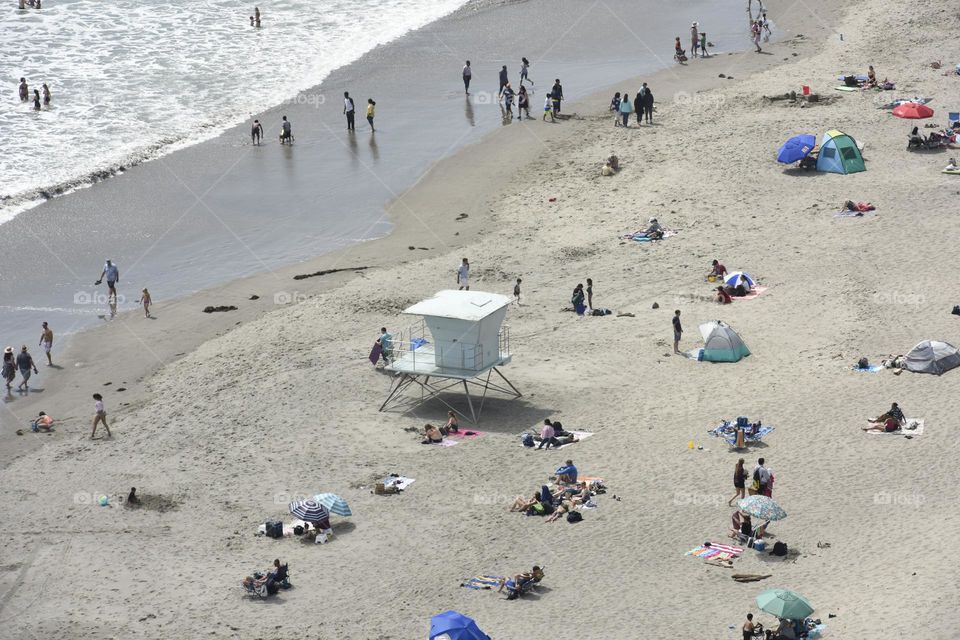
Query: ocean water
[131, 79]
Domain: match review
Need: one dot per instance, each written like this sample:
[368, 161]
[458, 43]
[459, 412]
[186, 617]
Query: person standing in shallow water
[24, 90]
[46, 95]
[36, 100]
[256, 16]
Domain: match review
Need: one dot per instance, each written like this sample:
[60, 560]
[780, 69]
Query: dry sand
[285, 404]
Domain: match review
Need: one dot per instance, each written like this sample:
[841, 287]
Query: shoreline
[432, 204]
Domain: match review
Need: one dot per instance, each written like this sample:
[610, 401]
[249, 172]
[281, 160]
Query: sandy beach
[227, 417]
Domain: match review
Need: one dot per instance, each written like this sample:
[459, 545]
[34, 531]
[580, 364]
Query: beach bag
[574, 516]
[527, 439]
[274, 528]
[863, 363]
[851, 81]
[779, 549]
[956, 310]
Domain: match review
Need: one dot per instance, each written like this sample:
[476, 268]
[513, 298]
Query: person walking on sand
[349, 110]
[589, 294]
[638, 105]
[467, 76]
[766, 27]
[386, 346]
[525, 71]
[557, 93]
[146, 300]
[647, 104]
[694, 40]
[46, 341]
[504, 81]
[113, 277]
[516, 292]
[100, 416]
[26, 364]
[548, 108]
[256, 132]
[463, 275]
[755, 33]
[24, 90]
[761, 478]
[677, 331]
[739, 482]
[508, 95]
[371, 112]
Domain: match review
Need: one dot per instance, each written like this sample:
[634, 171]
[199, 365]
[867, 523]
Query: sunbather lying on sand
[565, 507]
[522, 504]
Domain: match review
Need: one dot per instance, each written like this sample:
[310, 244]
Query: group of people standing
[24, 91]
[642, 105]
[506, 94]
[23, 4]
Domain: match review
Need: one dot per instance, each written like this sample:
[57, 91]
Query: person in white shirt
[463, 275]
[349, 110]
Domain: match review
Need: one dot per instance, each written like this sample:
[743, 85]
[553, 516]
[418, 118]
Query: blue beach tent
[455, 626]
[839, 154]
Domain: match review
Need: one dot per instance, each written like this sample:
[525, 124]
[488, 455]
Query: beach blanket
[466, 434]
[847, 88]
[728, 431]
[716, 550]
[913, 427]
[579, 435]
[756, 292]
[854, 214]
[874, 368]
[483, 582]
[640, 236]
[400, 482]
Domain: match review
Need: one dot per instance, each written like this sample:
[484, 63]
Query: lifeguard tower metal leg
[430, 389]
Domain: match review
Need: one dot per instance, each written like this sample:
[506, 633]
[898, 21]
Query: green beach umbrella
[784, 603]
[762, 507]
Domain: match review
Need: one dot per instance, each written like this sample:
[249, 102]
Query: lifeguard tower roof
[472, 306]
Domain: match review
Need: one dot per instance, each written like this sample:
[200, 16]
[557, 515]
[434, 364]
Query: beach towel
[483, 582]
[400, 482]
[446, 442]
[466, 434]
[728, 431]
[640, 236]
[716, 551]
[579, 435]
[913, 427]
[756, 292]
[874, 368]
[847, 88]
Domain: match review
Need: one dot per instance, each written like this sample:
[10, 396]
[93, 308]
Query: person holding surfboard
[382, 348]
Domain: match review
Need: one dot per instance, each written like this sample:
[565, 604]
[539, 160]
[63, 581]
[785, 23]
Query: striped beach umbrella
[334, 503]
[736, 277]
[762, 507]
[309, 511]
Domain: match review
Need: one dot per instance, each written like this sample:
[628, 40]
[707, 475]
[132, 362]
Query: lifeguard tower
[460, 340]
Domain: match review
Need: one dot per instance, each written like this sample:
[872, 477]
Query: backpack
[863, 363]
[527, 440]
[779, 549]
[574, 516]
[956, 310]
[756, 475]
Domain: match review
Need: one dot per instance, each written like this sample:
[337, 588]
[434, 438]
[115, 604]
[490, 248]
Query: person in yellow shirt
[371, 107]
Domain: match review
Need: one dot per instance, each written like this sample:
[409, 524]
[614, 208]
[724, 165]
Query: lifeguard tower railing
[413, 349]
[415, 362]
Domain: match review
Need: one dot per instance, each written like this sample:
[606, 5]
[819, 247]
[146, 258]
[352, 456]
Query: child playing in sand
[146, 300]
[100, 417]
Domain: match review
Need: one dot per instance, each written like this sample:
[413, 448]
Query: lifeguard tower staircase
[459, 341]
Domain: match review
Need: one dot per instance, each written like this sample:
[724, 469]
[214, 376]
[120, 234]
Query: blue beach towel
[874, 368]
